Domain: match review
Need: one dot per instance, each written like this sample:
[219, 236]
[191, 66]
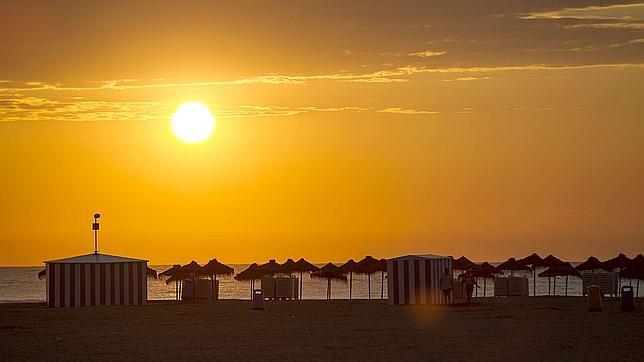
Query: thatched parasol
[169, 273]
[369, 265]
[549, 262]
[189, 270]
[485, 271]
[532, 260]
[512, 264]
[634, 270]
[151, 273]
[212, 269]
[463, 263]
[304, 266]
[288, 267]
[328, 272]
[271, 268]
[351, 267]
[591, 263]
[620, 262]
[251, 274]
[560, 270]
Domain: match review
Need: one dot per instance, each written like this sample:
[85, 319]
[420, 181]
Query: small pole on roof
[95, 227]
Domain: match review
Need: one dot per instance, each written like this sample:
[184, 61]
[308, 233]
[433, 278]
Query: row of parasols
[627, 268]
[330, 271]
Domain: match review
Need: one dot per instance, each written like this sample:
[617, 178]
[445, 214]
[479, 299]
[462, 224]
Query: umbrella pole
[637, 289]
[369, 284]
[300, 285]
[548, 286]
[566, 286]
[350, 284]
[382, 285]
[212, 288]
[484, 282]
[476, 290]
[534, 281]
[554, 286]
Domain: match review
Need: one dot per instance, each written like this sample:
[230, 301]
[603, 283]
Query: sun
[192, 122]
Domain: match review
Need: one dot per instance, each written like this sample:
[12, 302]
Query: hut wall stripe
[135, 283]
[77, 287]
[57, 285]
[401, 282]
[423, 282]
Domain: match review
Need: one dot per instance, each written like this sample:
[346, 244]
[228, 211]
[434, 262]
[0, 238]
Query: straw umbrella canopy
[463, 263]
[634, 270]
[328, 272]
[561, 270]
[549, 262]
[189, 270]
[288, 267]
[304, 266]
[151, 273]
[591, 263]
[169, 273]
[251, 274]
[512, 264]
[271, 268]
[369, 265]
[620, 262]
[351, 267]
[532, 260]
[212, 269]
[485, 270]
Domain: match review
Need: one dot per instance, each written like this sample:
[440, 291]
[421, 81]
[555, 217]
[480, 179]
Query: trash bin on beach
[258, 299]
[628, 303]
[594, 299]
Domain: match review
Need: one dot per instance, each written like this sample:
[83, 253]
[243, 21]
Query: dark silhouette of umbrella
[619, 262]
[532, 260]
[485, 270]
[287, 268]
[382, 268]
[251, 274]
[591, 263]
[634, 270]
[512, 264]
[369, 265]
[169, 273]
[549, 262]
[560, 270]
[271, 268]
[42, 274]
[304, 266]
[212, 269]
[463, 263]
[189, 270]
[328, 272]
[351, 267]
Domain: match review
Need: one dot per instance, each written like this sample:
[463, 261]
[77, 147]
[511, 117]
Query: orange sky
[492, 130]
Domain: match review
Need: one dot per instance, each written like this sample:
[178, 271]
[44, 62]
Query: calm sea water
[21, 284]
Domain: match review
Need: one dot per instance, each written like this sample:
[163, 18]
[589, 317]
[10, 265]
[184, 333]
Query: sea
[21, 284]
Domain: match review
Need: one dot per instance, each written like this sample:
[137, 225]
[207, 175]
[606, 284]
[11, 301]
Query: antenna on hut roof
[95, 227]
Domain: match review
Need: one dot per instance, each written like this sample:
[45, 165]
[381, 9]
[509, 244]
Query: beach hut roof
[216, 268]
[351, 267]
[512, 264]
[590, 264]
[329, 271]
[95, 259]
[560, 270]
[248, 273]
[463, 263]
[550, 261]
[304, 266]
[531, 259]
[619, 261]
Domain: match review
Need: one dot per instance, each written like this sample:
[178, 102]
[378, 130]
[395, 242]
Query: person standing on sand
[470, 283]
[446, 285]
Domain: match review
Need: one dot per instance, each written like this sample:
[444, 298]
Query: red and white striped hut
[96, 279]
[414, 279]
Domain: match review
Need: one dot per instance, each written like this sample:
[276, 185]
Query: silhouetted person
[470, 283]
[446, 285]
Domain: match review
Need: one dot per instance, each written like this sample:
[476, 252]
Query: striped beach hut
[96, 279]
[414, 279]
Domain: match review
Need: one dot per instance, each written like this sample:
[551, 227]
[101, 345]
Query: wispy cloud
[427, 53]
[623, 12]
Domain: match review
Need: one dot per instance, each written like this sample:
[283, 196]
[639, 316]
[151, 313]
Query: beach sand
[542, 328]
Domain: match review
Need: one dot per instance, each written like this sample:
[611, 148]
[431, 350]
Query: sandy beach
[542, 328]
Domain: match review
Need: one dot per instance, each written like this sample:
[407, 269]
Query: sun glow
[193, 123]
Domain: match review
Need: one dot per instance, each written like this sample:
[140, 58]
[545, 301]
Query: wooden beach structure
[415, 279]
[96, 279]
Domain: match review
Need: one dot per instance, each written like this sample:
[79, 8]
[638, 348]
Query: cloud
[624, 12]
[465, 79]
[427, 53]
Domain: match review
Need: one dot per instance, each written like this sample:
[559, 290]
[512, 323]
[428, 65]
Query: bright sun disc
[192, 122]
